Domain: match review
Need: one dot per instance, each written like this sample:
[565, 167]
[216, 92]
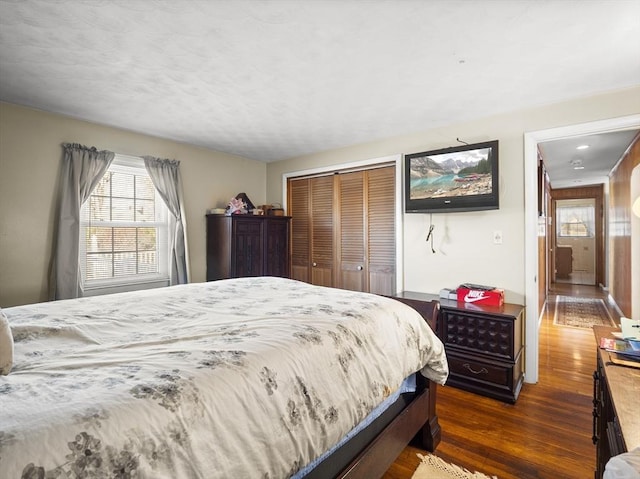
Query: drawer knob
[468, 367]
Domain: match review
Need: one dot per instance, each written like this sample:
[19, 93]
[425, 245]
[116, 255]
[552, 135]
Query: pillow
[6, 345]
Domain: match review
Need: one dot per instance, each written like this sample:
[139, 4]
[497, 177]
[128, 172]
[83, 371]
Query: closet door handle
[360, 268]
[314, 264]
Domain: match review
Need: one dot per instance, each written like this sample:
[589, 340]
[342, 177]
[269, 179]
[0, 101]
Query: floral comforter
[241, 378]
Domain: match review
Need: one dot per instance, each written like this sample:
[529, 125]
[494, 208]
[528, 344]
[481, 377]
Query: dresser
[247, 245]
[484, 345]
[616, 393]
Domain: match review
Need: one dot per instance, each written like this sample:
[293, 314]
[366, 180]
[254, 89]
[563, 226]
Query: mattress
[251, 377]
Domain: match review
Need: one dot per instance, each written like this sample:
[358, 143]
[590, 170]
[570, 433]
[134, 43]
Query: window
[576, 221]
[574, 228]
[123, 236]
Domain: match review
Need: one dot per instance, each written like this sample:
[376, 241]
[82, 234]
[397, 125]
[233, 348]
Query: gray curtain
[82, 170]
[165, 175]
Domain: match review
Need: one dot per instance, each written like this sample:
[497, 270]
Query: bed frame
[411, 418]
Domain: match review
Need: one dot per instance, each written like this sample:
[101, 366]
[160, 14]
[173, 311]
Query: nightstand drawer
[498, 374]
[476, 332]
[496, 379]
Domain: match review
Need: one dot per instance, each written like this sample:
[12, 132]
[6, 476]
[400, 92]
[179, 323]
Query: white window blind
[124, 228]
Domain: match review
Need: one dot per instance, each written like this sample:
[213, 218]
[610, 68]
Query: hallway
[547, 433]
[579, 277]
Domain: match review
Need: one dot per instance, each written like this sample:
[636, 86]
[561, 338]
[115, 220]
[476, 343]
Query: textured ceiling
[270, 80]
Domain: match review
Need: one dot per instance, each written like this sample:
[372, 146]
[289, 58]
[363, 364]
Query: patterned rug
[581, 312]
[432, 467]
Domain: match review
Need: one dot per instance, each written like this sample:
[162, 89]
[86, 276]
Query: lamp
[636, 207]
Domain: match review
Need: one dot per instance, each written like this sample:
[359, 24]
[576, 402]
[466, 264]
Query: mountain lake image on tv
[462, 178]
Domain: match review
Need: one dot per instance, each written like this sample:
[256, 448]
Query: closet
[343, 229]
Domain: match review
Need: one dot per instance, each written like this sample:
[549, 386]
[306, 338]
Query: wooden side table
[484, 345]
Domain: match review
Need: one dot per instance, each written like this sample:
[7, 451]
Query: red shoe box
[493, 297]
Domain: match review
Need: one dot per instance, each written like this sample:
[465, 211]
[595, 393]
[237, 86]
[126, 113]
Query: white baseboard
[612, 302]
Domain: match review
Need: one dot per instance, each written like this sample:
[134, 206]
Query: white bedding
[239, 378]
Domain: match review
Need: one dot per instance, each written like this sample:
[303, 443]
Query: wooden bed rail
[376, 458]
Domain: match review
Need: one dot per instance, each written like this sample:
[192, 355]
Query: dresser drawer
[477, 370]
[496, 379]
[489, 335]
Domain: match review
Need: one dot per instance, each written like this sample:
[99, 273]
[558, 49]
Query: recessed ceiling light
[582, 147]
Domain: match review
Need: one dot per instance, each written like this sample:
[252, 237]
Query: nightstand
[484, 345]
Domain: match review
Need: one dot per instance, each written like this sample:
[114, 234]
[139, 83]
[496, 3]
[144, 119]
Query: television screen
[461, 178]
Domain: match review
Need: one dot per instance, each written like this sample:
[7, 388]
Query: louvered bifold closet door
[343, 230]
[299, 202]
[351, 253]
[381, 230]
[322, 227]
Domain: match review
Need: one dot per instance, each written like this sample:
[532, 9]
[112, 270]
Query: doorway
[578, 246]
[575, 241]
[531, 140]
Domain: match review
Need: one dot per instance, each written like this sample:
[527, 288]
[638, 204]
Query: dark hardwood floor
[546, 434]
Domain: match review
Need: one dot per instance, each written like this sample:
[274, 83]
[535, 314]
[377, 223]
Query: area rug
[432, 467]
[581, 312]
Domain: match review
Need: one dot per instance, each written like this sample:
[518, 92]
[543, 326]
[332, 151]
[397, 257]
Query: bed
[250, 377]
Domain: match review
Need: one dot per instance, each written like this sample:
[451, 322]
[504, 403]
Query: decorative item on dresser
[616, 422]
[247, 245]
[483, 343]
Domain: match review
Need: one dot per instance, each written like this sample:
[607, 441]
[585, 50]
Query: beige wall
[464, 241]
[30, 156]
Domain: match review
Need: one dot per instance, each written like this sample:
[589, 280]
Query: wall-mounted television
[460, 178]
